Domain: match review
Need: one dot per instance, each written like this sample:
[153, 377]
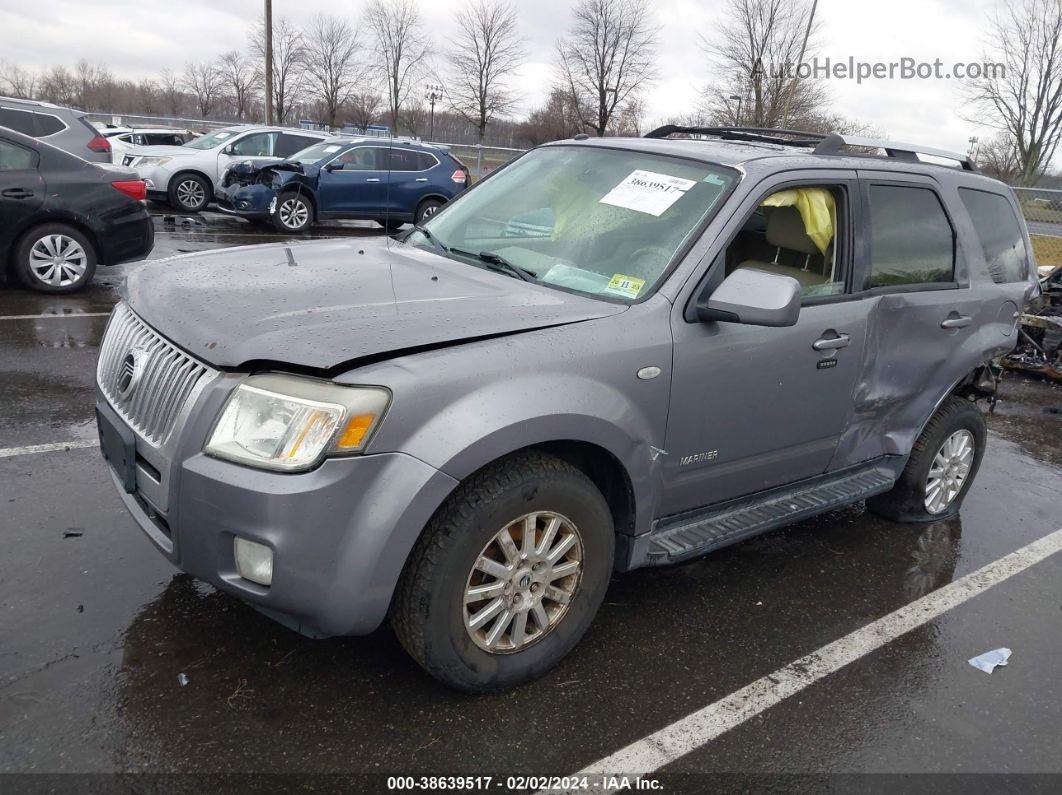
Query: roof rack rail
[833, 143]
[767, 135]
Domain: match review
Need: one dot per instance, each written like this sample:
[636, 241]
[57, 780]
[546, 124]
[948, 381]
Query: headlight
[289, 423]
[153, 161]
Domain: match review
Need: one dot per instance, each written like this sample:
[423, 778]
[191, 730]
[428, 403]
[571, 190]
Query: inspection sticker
[331, 149]
[648, 192]
[628, 286]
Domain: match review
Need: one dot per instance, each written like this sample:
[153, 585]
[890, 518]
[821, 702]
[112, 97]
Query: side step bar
[688, 535]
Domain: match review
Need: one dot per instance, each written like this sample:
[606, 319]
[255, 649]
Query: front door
[753, 407]
[255, 147]
[353, 184]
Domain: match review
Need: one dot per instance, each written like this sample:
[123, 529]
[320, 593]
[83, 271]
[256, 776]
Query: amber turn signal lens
[355, 431]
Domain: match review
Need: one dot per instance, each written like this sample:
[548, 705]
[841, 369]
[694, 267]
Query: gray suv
[610, 354]
[66, 128]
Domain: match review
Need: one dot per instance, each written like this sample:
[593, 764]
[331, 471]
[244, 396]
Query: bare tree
[239, 80]
[413, 118]
[607, 57]
[146, 96]
[18, 82]
[557, 119]
[289, 65]
[171, 93]
[1024, 99]
[486, 52]
[332, 66]
[364, 108]
[998, 157]
[59, 86]
[756, 47]
[203, 82]
[402, 47]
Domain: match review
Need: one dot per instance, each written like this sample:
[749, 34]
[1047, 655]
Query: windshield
[210, 140]
[604, 222]
[315, 153]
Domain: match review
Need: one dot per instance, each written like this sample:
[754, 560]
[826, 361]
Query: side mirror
[334, 166]
[228, 150]
[754, 298]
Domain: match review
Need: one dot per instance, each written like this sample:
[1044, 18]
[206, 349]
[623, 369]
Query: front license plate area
[118, 444]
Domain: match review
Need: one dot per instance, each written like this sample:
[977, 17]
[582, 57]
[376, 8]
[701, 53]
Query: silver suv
[469, 430]
[66, 128]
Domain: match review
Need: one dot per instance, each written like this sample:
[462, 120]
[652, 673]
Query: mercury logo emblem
[129, 373]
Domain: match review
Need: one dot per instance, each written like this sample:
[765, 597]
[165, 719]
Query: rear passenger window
[15, 158]
[18, 120]
[1000, 235]
[424, 161]
[48, 125]
[288, 144]
[911, 239]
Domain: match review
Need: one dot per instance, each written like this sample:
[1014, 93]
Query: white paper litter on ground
[988, 661]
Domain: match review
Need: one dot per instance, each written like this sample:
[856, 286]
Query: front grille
[145, 378]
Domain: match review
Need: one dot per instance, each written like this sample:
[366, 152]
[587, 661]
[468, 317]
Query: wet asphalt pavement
[95, 627]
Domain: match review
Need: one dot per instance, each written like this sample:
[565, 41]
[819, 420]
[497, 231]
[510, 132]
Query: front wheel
[427, 209]
[942, 467]
[294, 213]
[189, 193]
[55, 258]
[507, 576]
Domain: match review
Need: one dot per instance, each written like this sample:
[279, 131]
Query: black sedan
[61, 216]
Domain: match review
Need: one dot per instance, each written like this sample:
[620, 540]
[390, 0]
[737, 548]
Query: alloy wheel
[190, 193]
[948, 473]
[58, 260]
[523, 582]
[294, 213]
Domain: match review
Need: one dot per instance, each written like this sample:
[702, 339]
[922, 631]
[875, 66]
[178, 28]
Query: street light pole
[432, 92]
[737, 116]
[268, 61]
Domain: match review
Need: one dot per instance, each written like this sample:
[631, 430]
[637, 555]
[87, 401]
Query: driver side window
[796, 232]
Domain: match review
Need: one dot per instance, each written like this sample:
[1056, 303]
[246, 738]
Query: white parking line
[78, 444]
[690, 733]
[53, 315]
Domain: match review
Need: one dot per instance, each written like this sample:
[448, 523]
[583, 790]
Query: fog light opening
[254, 561]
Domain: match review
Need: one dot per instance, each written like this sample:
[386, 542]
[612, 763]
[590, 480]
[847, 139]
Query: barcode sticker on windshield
[628, 286]
[330, 149]
[648, 192]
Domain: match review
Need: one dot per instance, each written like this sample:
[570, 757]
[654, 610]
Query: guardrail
[1043, 205]
[481, 160]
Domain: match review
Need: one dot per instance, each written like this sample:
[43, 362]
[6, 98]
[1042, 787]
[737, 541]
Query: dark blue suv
[392, 182]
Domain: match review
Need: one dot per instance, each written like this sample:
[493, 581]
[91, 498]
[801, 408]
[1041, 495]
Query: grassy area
[1048, 250]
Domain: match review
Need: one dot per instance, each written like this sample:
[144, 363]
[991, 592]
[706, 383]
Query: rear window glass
[17, 120]
[1000, 235]
[48, 125]
[911, 239]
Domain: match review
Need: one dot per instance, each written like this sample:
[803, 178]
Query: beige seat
[785, 229]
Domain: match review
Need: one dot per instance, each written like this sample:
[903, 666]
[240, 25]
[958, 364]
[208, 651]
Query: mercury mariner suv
[609, 354]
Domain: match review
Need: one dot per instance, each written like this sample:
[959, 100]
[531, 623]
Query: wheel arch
[63, 219]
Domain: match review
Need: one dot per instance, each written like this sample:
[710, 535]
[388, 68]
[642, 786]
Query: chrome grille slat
[167, 381]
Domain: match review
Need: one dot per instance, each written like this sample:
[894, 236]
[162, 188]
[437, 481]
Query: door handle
[831, 343]
[956, 321]
[422, 179]
[17, 193]
[372, 179]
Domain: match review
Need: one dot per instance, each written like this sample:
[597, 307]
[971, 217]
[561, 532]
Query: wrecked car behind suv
[467, 431]
[392, 182]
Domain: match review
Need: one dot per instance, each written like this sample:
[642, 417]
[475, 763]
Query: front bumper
[246, 201]
[340, 534]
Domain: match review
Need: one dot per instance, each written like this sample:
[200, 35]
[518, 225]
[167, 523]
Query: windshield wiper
[498, 263]
[432, 239]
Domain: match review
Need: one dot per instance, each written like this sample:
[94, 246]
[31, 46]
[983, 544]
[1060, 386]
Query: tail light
[133, 188]
[100, 145]
[459, 176]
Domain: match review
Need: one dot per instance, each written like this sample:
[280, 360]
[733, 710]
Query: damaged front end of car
[248, 190]
[1040, 345]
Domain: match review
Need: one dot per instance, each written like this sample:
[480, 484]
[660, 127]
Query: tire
[294, 213]
[429, 613]
[55, 258]
[189, 193]
[392, 225]
[426, 209]
[957, 421]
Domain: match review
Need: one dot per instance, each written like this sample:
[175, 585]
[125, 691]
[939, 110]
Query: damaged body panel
[1040, 345]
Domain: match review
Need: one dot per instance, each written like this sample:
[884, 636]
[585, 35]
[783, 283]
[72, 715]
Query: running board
[688, 535]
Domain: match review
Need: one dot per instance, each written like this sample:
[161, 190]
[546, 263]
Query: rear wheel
[427, 209]
[55, 258]
[294, 213]
[189, 193]
[943, 464]
[507, 576]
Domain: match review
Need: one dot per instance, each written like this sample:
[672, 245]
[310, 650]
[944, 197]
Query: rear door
[408, 178]
[923, 334]
[21, 190]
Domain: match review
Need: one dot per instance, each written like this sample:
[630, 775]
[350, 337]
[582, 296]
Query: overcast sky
[137, 38]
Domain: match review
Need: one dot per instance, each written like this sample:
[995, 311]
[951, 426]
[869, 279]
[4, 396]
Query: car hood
[329, 304]
[162, 151]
